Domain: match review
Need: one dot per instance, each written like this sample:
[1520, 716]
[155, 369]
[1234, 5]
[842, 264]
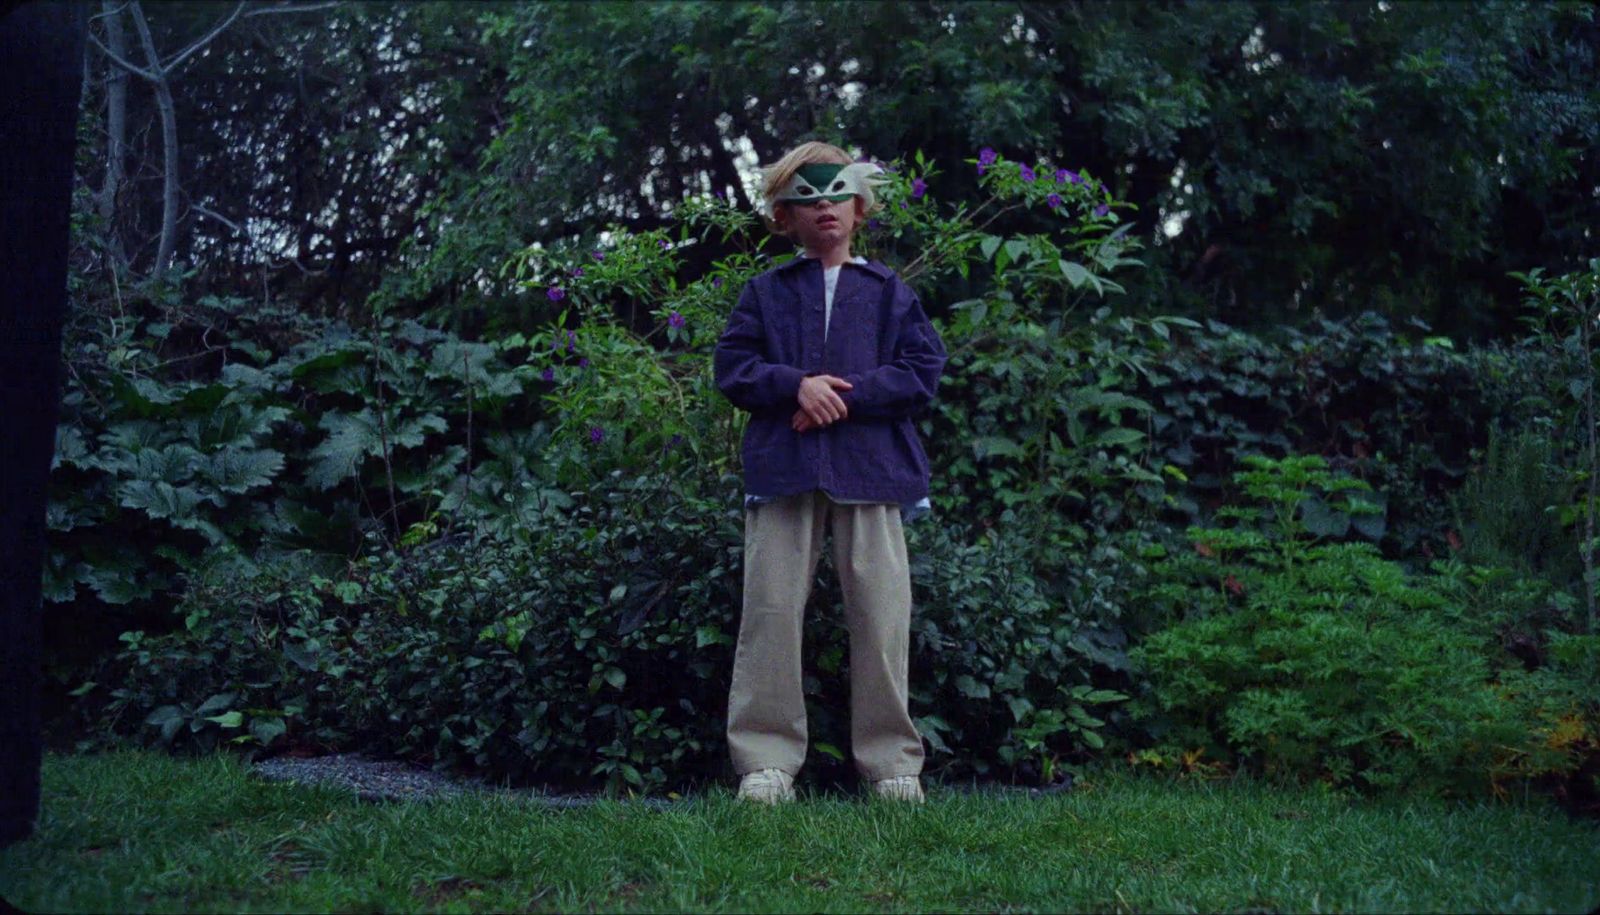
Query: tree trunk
[41, 48]
[116, 131]
[169, 145]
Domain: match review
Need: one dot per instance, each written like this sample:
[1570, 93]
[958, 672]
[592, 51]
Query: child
[833, 356]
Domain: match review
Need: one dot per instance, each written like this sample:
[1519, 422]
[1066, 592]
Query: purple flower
[572, 340]
[1027, 173]
[599, 255]
[555, 293]
[675, 320]
[663, 243]
[548, 374]
[986, 158]
[902, 205]
[583, 363]
[874, 224]
[1067, 175]
[596, 434]
[918, 188]
[716, 282]
[1101, 210]
[577, 271]
[1053, 201]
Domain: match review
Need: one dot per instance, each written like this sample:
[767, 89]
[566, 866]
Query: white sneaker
[767, 786]
[900, 788]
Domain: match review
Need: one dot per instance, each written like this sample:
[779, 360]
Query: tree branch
[109, 12]
[218, 217]
[135, 69]
[332, 4]
[202, 42]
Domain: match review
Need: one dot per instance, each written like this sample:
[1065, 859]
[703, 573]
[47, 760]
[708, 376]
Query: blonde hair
[776, 176]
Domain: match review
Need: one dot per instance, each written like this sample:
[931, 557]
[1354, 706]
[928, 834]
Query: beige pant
[766, 709]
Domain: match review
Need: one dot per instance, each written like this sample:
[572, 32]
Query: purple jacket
[879, 340]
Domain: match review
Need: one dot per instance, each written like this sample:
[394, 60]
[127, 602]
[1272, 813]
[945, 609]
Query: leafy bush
[589, 644]
[1307, 659]
[595, 644]
[1003, 671]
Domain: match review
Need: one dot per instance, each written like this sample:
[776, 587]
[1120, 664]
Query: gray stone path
[394, 780]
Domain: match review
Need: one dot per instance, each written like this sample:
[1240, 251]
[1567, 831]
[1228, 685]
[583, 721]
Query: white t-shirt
[830, 279]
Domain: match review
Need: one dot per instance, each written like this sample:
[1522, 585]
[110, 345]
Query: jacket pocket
[766, 435]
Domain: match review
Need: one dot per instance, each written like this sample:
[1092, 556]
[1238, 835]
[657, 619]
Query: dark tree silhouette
[41, 60]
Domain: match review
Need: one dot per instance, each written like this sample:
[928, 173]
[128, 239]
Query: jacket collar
[871, 266]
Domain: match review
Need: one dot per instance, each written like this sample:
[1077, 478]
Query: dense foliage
[389, 421]
[521, 554]
[1283, 158]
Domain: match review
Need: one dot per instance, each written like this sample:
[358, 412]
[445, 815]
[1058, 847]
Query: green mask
[829, 181]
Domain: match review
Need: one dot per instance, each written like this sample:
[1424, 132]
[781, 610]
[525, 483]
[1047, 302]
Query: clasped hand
[820, 404]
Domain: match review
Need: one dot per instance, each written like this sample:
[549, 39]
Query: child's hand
[818, 400]
[802, 422]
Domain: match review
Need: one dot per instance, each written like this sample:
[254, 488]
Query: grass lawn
[145, 832]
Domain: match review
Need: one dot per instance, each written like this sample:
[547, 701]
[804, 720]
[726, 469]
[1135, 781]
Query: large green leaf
[238, 421]
[159, 499]
[115, 581]
[173, 464]
[1075, 273]
[237, 470]
[972, 688]
[133, 435]
[351, 439]
[462, 361]
[238, 375]
[178, 505]
[71, 449]
[144, 397]
[327, 361]
[412, 431]
[203, 399]
[60, 579]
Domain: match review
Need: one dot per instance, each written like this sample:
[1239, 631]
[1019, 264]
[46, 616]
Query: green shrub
[1322, 660]
[593, 645]
[1001, 670]
[589, 646]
